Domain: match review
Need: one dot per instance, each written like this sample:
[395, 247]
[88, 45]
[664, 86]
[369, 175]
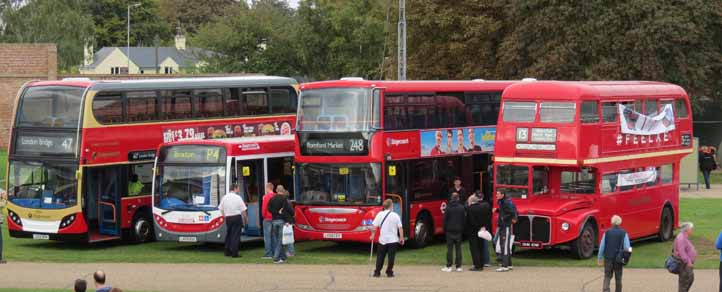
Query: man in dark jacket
[454, 220]
[457, 188]
[478, 216]
[507, 218]
[278, 217]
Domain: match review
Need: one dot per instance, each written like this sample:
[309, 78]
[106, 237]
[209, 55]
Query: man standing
[276, 207]
[454, 220]
[391, 234]
[99, 277]
[718, 245]
[234, 210]
[267, 247]
[612, 240]
[457, 188]
[288, 216]
[507, 218]
[479, 216]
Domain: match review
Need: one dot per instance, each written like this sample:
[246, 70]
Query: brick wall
[20, 63]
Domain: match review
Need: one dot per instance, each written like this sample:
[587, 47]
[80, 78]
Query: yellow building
[143, 60]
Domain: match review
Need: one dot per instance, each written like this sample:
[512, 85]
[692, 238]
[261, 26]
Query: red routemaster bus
[81, 152]
[192, 176]
[360, 142]
[573, 154]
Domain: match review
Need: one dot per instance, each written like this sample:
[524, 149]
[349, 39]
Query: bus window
[609, 112]
[667, 174]
[557, 112]
[176, 105]
[483, 108]
[540, 180]
[512, 175]
[256, 102]
[515, 111]
[664, 103]
[50, 106]
[629, 187]
[140, 177]
[578, 182]
[395, 178]
[681, 108]
[656, 181]
[233, 103]
[609, 183]
[208, 103]
[108, 108]
[590, 112]
[451, 110]
[282, 102]
[650, 107]
[141, 106]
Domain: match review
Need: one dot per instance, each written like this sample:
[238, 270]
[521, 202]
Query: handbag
[623, 255]
[672, 263]
[483, 234]
[287, 234]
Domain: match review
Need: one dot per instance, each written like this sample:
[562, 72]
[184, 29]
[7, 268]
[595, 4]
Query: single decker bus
[192, 176]
[360, 142]
[81, 152]
[573, 154]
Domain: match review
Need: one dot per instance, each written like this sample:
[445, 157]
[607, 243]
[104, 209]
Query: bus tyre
[666, 223]
[142, 229]
[583, 246]
[422, 233]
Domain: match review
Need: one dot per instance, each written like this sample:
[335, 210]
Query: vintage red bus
[573, 154]
[360, 142]
[192, 176]
[81, 152]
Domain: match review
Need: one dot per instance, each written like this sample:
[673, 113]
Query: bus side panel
[576, 220]
[130, 206]
[434, 209]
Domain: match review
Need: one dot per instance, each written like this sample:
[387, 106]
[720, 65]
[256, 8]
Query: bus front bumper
[162, 234]
[301, 234]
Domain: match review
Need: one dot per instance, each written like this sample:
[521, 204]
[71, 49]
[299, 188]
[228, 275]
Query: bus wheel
[583, 246]
[422, 233]
[665, 225]
[142, 229]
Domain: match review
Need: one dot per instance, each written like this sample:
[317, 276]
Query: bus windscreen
[50, 107]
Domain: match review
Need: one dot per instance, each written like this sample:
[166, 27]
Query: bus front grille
[540, 229]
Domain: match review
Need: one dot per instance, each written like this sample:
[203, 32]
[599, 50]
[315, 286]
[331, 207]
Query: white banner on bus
[633, 122]
[637, 178]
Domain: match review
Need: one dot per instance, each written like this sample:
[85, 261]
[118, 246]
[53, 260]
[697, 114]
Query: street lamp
[128, 43]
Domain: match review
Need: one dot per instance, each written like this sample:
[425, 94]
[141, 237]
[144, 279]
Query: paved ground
[715, 191]
[298, 278]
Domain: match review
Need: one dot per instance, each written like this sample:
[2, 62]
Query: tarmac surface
[344, 278]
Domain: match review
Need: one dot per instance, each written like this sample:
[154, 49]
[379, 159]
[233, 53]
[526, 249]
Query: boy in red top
[268, 253]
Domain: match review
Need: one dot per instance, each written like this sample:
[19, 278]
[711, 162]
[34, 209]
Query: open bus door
[103, 202]
[251, 177]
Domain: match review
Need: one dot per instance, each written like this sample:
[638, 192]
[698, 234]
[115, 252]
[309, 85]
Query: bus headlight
[364, 228]
[565, 226]
[304, 227]
[15, 218]
[67, 221]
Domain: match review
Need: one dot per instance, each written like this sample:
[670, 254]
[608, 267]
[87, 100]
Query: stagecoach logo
[396, 142]
[630, 139]
[331, 220]
[249, 147]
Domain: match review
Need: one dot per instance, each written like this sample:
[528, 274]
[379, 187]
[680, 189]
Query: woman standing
[685, 252]
[707, 163]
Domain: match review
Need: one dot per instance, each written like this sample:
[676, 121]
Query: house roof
[145, 57]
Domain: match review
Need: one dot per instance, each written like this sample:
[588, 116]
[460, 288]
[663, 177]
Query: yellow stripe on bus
[590, 161]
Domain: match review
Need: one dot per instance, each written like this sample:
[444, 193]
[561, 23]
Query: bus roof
[416, 85]
[172, 83]
[245, 145]
[566, 90]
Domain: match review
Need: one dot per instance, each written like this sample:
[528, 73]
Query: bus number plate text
[332, 235]
[188, 239]
[41, 236]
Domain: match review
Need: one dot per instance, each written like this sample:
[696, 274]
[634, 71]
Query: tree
[63, 22]
[192, 14]
[111, 23]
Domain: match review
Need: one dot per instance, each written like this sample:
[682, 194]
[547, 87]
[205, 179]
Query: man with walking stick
[392, 234]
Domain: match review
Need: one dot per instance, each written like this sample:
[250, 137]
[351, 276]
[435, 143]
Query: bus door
[396, 191]
[103, 185]
[251, 174]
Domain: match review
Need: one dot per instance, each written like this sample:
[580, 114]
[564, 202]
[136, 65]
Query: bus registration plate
[188, 239]
[531, 244]
[41, 236]
[332, 235]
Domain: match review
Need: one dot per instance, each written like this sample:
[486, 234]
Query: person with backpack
[391, 235]
[507, 219]
[687, 255]
[614, 242]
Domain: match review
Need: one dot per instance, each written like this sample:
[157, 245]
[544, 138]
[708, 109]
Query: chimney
[88, 54]
[180, 39]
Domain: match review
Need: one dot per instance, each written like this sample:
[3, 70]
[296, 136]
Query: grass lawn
[647, 254]
[714, 178]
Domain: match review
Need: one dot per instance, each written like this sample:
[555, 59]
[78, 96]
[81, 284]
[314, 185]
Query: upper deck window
[519, 111]
[609, 112]
[50, 106]
[680, 108]
[557, 112]
[650, 107]
[338, 110]
[577, 182]
[108, 108]
[590, 112]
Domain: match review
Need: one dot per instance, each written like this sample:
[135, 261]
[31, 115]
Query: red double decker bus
[573, 154]
[360, 142]
[81, 152]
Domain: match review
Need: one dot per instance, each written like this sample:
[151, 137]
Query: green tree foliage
[111, 23]
[63, 22]
[191, 14]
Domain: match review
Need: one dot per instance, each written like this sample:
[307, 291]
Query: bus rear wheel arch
[423, 231]
[666, 224]
[583, 247]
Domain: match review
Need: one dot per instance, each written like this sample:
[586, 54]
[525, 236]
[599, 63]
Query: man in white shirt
[234, 210]
[392, 233]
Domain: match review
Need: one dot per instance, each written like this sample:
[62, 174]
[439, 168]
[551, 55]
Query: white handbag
[287, 234]
[483, 234]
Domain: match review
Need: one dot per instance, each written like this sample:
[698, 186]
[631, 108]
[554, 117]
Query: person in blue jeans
[267, 246]
[275, 207]
[718, 245]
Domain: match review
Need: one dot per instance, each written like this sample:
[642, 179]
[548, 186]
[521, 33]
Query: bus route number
[212, 154]
[357, 145]
[68, 144]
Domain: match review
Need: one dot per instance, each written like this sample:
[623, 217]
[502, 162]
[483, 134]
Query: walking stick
[371, 254]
